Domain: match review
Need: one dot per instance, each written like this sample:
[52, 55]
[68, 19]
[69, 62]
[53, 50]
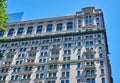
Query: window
[67, 45]
[44, 48]
[100, 56]
[20, 31]
[66, 58]
[27, 76]
[69, 26]
[78, 80]
[4, 70]
[49, 28]
[101, 63]
[42, 60]
[56, 40]
[79, 38]
[88, 80]
[52, 74]
[90, 72]
[32, 54]
[103, 80]
[28, 69]
[1, 33]
[65, 66]
[39, 29]
[89, 56]
[51, 82]
[2, 78]
[93, 80]
[29, 30]
[102, 71]
[9, 56]
[79, 44]
[14, 77]
[78, 65]
[53, 67]
[78, 57]
[55, 52]
[98, 24]
[16, 70]
[78, 73]
[67, 81]
[21, 56]
[67, 52]
[88, 20]
[19, 62]
[39, 76]
[40, 68]
[97, 19]
[59, 27]
[65, 74]
[10, 32]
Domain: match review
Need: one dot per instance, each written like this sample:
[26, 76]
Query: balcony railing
[89, 66]
[90, 75]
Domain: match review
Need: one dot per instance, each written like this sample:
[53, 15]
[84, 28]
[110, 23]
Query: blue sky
[36, 9]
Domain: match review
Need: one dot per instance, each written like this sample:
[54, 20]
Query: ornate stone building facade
[68, 49]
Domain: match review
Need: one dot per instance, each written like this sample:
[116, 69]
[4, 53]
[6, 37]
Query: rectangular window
[101, 63]
[55, 52]
[78, 73]
[102, 71]
[88, 80]
[88, 20]
[103, 80]
[78, 81]
[93, 80]
[78, 65]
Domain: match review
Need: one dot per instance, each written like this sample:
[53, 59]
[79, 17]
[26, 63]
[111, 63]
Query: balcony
[89, 66]
[90, 26]
[31, 58]
[53, 61]
[31, 51]
[27, 71]
[11, 52]
[54, 56]
[5, 65]
[51, 78]
[52, 70]
[28, 64]
[89, 52]
[2, 81]
[55, 48]
[90, 75]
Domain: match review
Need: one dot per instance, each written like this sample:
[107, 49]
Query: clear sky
[36, 9]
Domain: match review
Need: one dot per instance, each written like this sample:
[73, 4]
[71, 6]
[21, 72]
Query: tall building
[67, 49]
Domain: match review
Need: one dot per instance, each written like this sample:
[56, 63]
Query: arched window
[20, 31]
[49, 28]
[10, 33]
[29, 30]
[1, 33]
[39, 29]
[59, 27]
[69, 26]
